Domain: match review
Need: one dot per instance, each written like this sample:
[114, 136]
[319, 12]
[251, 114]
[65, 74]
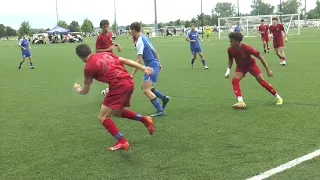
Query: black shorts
[147, 33]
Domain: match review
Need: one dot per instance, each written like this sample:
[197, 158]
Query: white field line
[286, 166]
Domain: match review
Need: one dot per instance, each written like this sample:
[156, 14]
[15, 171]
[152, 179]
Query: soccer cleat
[239, 105]
[149, 124]
[279, 101]
[283, 63]
[119, 146]
[19, 67]
[265, 51]
[206, 67]
[165, 101]
[32, 67]
[159, 113]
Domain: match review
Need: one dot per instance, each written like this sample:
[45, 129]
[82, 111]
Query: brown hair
[83, 50]
[236, 36]
[103, 23]
[135, 26]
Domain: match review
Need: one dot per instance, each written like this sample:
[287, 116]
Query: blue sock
[118, 136]
[203, 62]
[138, 117]
[155, 102]
[192, 61]
[31, 64]
[158, 93]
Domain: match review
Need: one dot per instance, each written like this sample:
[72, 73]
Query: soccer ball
[105, 91]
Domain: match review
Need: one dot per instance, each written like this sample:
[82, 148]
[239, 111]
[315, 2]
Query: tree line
[221, 9]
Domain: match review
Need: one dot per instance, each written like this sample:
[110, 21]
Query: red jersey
[277, 32]
[264, 29]
[243, 55]
[104, 67]
[104, 41]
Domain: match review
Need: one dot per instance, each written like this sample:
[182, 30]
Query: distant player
[24, 44]
[241, 53]
[193, 38]
[148, 33]
[237, 28]
[104, 41]
[208, 32]
[108, 68]
[149, 55]
[278, 45]
[264, 31]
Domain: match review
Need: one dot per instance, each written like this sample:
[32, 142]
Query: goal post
[249, 24]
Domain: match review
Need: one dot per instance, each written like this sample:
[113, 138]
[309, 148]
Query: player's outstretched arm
[139, 61]
[84, 90]
[135, 65]
[265, 64]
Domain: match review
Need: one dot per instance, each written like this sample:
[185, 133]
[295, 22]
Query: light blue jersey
[24, 42]
[193, 35]
[145, 48]
[237, 28]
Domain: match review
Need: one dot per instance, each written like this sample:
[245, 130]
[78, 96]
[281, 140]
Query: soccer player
[194, 38]
[237, 28]
[149, 55]
[108, 68]
[278, 45]
[104, 41]
[241, 53]
[24, 44]
[148, 33]
[208, 32]
[264, 31]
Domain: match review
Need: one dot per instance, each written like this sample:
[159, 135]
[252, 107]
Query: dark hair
[135, 26]
[262, 20]
[275, 18]
[103, 23]
[83, 50]
[236, 36]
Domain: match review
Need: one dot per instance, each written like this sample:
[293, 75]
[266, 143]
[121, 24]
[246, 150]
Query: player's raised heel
[149, 125]
[157, 114]
[165, 101]
[119, 146]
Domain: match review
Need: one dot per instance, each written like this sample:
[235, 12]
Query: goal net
[152, 31]
[249, 24]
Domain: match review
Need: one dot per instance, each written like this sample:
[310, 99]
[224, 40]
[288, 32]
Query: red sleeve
[98, 42]
[114, 56]
[88, 76]
[259, 28]
[281, 27]
[253, 51]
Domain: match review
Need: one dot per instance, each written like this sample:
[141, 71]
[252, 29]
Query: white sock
[277, 96]
[240, 99]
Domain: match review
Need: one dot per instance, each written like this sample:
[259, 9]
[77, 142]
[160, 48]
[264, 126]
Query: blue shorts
[26, 54]
[153, 77]
[196, 50]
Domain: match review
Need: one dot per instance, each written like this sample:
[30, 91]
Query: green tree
[207, 20]
[224, 9]
[160, 25]
[87, 26]
[62, 24]
[187, 23]
[289, 7]
[114, 27]
[2, 30]
[259, 7]
[25, 28]
[10, 31]
[177, 22]
[142, 24]
[42, 30]
[314, 13]
[74, 26]
[128, 27]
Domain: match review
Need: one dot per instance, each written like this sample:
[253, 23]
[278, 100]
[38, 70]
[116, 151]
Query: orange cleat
[119, 146]
[149, 124]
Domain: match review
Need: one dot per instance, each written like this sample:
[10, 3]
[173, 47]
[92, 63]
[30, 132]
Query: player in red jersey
[104, 41]
[264, 31]
[108, 68]
[278, 45]
[241, 53]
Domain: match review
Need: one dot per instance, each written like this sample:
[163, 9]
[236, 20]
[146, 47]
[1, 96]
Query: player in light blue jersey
[237, 28]
[149, 55]
[193, 38]
[24, 44]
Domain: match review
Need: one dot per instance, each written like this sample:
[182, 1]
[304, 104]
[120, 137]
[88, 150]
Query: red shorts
[254, 70]
[119, 95]
[264, 38]
[277, 44]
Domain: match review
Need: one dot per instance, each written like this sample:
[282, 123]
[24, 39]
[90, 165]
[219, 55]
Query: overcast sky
[42, 13]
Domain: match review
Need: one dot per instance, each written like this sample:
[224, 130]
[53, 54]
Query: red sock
[268, 48]
[131, 115]
[268, 87]
[113, 130]
[236, 87]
